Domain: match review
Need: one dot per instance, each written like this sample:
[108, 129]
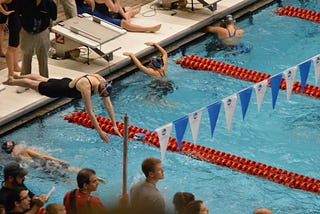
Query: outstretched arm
[108, 105]
[86, 97]
[35, 154]
[137, 62]
[162, 51]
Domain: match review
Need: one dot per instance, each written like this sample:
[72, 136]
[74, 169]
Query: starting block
[86, 30]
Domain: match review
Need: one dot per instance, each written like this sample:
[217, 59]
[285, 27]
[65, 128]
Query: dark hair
[180, 201]
[148, 165]
[83, 176]
[4, 147]
[14, 196]
[193, 207]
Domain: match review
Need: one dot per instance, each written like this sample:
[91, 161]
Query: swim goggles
[107, 88]
[157, 61]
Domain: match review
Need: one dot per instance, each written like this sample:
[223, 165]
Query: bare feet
[155, 28]
[9, 81]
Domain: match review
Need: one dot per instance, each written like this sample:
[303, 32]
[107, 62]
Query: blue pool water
[287, 137]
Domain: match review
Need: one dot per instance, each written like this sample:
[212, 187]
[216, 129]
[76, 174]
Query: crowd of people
[28, 25]
[144, 197]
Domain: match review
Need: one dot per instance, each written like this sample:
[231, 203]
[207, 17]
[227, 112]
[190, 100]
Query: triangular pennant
[194, 120]
[290, 75]
[180, 125]
[260, 89]
[213, 111]
[245, 96]
[316, 64]
[164, 135]
[304, 72]
[275, 86]
[229, 107]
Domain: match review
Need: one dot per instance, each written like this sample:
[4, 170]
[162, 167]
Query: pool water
[287, 137]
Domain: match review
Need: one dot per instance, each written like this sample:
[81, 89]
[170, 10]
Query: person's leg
[133, 10]
[137, 28]
[42, 49]
[10, 58]
[70, 8]
[27, 45]
[2, 27]
[35, 77]
[23, 82]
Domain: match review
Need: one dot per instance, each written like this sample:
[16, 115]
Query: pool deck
[175, 26]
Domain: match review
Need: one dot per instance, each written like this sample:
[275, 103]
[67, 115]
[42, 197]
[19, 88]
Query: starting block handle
[84, 33]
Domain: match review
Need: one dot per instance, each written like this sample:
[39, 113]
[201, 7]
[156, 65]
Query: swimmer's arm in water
[28, 152]
[137, 62]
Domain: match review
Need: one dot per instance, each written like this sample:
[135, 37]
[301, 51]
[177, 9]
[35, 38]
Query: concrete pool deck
[175, 26]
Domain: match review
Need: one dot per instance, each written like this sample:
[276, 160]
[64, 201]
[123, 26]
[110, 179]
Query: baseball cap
[14, 169]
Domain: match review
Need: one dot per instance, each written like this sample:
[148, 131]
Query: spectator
[35, 21]
[227, 32]
[262, 211]
[196, 207]
[115, 10]
[69, 7]
[145, 197]
[19, 202]
[14, 176]
[81, 87]
[55, 209]
[103, 14]
[180, 201]
[80, 200]
[158, 64]
[11, 8]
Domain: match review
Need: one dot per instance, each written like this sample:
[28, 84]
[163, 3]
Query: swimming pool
[286, 137]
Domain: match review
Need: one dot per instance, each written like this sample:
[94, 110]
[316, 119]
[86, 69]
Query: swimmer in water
[227, 33]
[18, 151]
[158, 64]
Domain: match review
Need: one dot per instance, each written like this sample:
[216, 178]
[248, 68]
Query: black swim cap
[4, 147]
[157, 61]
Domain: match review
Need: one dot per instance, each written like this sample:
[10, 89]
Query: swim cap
[157, 61]
[107, 87]
[4, 147]
[229, 19]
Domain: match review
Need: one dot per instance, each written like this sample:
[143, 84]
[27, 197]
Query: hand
[127, 53]
[116, 130]
[150, 43]
[104, 136]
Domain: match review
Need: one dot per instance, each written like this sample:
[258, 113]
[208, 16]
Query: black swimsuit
[60, 88]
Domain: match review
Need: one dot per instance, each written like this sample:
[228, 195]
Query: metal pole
[125, 160]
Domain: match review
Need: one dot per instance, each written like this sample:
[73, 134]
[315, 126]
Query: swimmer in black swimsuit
[227, 32]
[158, 65]
[27, 153]
[81, 87]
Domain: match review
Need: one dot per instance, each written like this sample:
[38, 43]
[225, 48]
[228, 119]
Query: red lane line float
[199, 63]
[299, 12]
[199, 152]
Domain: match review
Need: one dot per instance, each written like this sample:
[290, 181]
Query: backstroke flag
[304, 72]
[229, 107]
[213, 111]
[180, 125]
[245, 96]
[164, 134]
[194, 120]
[260, 89]
[290, 75]
[316, 64]
[275, 86]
